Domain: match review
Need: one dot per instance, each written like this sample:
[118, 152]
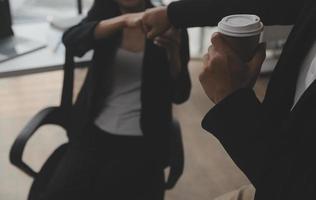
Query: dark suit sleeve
[194, 13]
[182, 85]
[80, 38]
[239, 124]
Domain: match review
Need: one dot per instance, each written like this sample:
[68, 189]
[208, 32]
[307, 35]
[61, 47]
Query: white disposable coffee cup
[242, 32]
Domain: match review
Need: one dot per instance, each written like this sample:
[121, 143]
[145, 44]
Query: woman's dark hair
[111, 9]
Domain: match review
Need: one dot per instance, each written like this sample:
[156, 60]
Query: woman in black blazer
[110, 157]
[273, 141]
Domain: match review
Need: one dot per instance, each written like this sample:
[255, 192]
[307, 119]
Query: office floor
[209, 172]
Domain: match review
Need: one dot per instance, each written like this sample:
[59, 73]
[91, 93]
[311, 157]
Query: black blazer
[158, 90]
[273, 145]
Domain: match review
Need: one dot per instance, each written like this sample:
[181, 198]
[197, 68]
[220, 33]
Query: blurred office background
[209, 172]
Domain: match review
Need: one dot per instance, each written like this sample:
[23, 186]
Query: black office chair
[59, 116]
[50, 115]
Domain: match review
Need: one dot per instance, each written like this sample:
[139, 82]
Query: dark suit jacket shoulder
[209, 12]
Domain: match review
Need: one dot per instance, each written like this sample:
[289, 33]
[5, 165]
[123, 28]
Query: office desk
[46, 59]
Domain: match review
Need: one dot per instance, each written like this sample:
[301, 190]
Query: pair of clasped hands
[224, 72]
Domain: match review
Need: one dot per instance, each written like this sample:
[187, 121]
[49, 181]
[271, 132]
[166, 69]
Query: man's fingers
[257, 60]
[217, 40]
[205, 59]
[167, 40]
[214, 35]
[220, 44]
[213, 57]
[210, 48]
[154, 32]
[162, 42]
[172, 32]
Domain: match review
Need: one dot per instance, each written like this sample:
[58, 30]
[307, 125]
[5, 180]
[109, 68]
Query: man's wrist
[165, 12]
[226, 94]
[169, 12]
[172, 14]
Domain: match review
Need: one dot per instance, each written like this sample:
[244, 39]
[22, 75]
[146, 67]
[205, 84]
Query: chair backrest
[68, 85]
[50, 115]
[68, 79]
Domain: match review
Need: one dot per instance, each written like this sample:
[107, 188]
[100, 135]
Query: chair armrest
[50, 115]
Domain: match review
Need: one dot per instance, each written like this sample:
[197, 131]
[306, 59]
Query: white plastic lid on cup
[240, 25]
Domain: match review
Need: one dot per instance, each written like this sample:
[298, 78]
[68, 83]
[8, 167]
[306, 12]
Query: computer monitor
[10, 45]
[5, 19]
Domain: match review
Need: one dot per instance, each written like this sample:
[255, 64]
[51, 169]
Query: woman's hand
[171, 40]
[133, 20]
[107, 27]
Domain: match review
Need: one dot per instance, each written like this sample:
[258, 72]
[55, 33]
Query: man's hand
[155, 22]
[224, 72]
[170, 40]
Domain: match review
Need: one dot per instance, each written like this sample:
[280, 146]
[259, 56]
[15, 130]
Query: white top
[121, 111]
[307, 74]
